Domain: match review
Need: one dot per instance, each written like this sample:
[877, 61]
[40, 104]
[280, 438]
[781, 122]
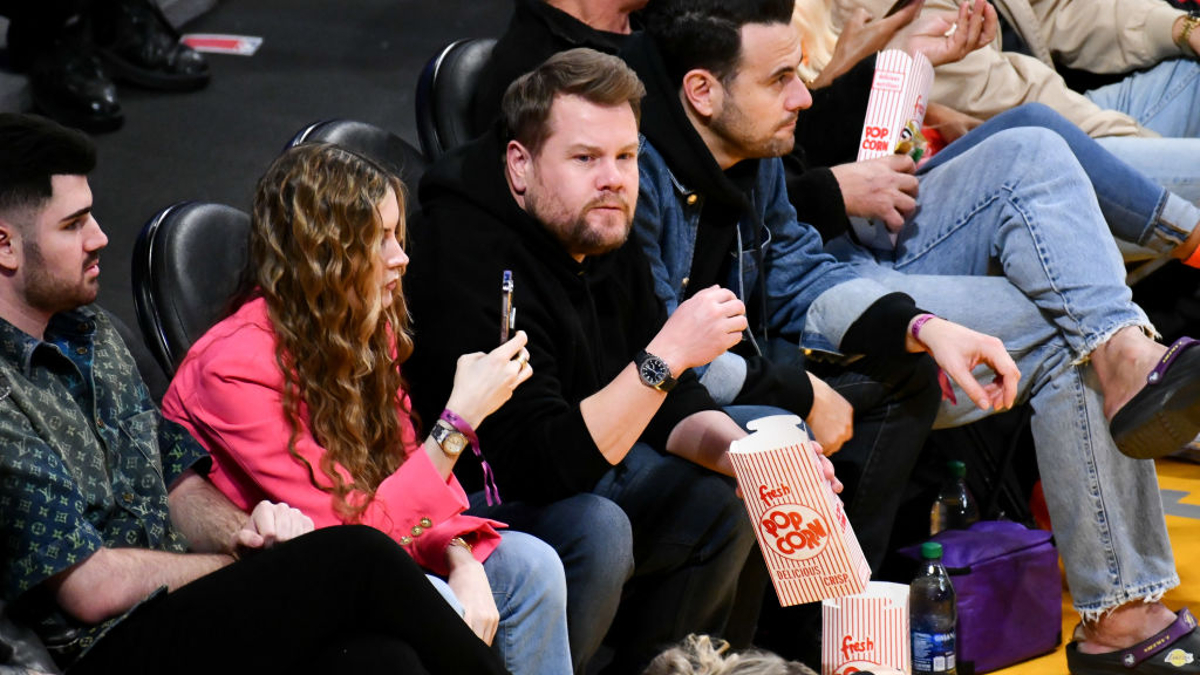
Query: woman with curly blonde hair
[299, 397]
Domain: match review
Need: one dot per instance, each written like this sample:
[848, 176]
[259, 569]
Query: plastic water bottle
[955, 507]
[932, 615]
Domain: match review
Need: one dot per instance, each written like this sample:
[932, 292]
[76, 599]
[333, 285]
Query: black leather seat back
[186, 265]
[389, 150]
[444, 94]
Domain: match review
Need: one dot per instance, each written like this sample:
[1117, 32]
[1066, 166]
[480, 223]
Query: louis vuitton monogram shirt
[86, 461]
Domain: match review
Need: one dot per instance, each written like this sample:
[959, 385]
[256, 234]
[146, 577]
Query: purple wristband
[460, 424]
[490, 491]
[920, 321]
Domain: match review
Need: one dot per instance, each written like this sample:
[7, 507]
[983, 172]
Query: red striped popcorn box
[866, 632]
[807, 541]
[899, 94]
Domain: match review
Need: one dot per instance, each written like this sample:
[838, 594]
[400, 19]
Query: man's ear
[703, 92]
[9, 259]
[517, 160]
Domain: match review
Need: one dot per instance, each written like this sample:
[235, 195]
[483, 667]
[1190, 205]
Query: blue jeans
[593, 538]
[1008, 239]
[530, 592]
[1138, 210]
[1164, 99]
[691, 538]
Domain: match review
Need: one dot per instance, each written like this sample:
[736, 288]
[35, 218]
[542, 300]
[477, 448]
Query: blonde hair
[315, 244]
[818, 37]
[702, 655]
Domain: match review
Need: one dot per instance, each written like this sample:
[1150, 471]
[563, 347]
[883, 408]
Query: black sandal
[1174, 650]
[1165, 415]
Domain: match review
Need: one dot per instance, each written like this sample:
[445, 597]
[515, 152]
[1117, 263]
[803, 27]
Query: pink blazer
[228, 394]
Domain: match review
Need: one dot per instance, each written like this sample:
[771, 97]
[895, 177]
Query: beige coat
[1102, 36]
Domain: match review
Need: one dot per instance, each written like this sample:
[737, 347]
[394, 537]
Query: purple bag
[1008, 590]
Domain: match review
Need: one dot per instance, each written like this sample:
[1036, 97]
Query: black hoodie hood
[727, 194]
[473, 176]
[666, 125]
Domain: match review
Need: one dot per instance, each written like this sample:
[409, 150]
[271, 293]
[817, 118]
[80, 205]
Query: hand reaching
[958, 349]
[861, 37]
[483, 382]
[945, 37]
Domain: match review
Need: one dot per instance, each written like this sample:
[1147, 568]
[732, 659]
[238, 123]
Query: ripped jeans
[1008, 240]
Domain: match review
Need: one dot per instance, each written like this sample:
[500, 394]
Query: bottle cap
[957, 468]
[931, 550]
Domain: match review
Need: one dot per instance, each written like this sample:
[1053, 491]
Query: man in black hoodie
[553, 203]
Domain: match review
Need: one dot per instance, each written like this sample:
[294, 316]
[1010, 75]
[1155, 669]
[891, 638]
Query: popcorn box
[807, 541]
[899, 94]
[866, 632]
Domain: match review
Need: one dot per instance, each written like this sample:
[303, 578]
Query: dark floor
[320, 59]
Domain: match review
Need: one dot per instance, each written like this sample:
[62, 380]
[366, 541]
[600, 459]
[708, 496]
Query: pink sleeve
[228, 395]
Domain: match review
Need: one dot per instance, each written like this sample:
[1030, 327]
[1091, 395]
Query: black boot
[139, 46]
[69, 84]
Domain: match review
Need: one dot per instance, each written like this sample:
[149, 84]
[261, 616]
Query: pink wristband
[920, 321]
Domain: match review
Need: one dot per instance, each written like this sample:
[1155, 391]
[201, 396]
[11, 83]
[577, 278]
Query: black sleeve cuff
[687, 398]
[883, 327]
[782, 385]
[817, 198]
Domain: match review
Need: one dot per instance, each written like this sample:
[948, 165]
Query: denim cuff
[1176, 219]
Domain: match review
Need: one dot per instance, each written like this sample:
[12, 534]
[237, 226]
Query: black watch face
[654, 371]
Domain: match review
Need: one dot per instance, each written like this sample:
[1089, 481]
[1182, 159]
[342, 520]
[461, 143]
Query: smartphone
[508, 313]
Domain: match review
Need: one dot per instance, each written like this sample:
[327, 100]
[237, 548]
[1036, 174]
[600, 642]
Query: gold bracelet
[1184, 42]
[459, 541]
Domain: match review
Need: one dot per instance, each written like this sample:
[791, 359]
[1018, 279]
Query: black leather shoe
[69, 85]
[138, 45]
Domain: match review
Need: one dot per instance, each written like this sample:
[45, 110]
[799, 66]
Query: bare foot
[1124, 627]
[1122, 365]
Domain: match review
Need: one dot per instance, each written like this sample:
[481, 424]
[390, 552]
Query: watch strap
[442, 431]
[668, 383]
[490, 491]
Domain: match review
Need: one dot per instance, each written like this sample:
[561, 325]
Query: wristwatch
[451, 440]
[654, 371]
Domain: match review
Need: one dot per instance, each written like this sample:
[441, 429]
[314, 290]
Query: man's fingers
[901, 163]
[970, 387]
[249, 539]
[909, 184]
[1007, 372]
